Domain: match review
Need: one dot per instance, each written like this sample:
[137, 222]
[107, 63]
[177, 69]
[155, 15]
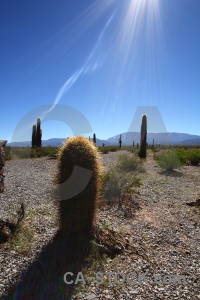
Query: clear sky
[102, 58]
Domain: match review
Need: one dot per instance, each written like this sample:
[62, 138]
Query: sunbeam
[87, 66]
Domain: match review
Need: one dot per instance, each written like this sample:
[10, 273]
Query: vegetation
[107, 149]
[188, 156]
[121, 179]
[169, 161]
[120, 141]
[34, 130]
[18, 235]
[116, 184]
[22, 238]
[143, 139]
[37, 134]
[27, 152]
[94, 138]
[128, 163]
[77, 212]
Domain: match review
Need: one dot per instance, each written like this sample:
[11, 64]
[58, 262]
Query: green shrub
[8, 153]
[129, 149]
[112, 184]
[189, 156]
[103, 150]
[28, 152]
[114, 148]
[169, 161]
[115, 184]
[128, 163]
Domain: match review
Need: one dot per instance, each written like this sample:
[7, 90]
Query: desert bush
[115, 184]
[107, 149]
[188, 156]
[22, 239]
[103, 150]
[129, 149]
[169, 161]
[128, 163]
[27, 152]
[8, 153]
[112, 185]
[114, 148]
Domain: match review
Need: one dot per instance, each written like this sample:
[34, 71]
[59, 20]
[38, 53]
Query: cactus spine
[143, 138]
[77, 214]
[34, 136]
[120, 141]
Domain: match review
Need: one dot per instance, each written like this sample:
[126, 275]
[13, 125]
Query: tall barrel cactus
[77, 214]
[34, 136]
[38, 133]
[143, 138]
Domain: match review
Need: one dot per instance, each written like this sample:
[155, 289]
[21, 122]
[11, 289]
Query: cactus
[120, 141]
[94, 138]
[77, 214]
[34, 136]
[153, 143]
[133, 144]
[137, 145]
[143, 138]
[38, 133]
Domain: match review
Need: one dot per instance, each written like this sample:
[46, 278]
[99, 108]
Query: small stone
[133, 292]
[91, 296]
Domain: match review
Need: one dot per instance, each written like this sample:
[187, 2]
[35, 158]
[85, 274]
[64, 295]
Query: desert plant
[128, 163]
[169, 161]
[113, 148]
[116, 184]
[103, 149]
[112, 184]
[8, 153]
[34, 136]
[77, 213]
[143, 138]
[94, 138]
[120, 141]
[26, 152]
[189, 156]
[38, 133]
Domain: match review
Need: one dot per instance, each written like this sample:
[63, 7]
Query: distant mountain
[165, 138]
[54, 142]
[192, 142]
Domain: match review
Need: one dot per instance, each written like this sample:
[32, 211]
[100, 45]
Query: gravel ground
[163, 232]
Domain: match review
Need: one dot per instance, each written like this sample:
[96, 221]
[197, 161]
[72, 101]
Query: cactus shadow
[44, 278]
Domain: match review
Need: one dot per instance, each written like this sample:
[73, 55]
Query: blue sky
[102, 58]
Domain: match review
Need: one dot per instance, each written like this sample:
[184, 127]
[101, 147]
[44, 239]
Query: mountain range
[165, 138]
